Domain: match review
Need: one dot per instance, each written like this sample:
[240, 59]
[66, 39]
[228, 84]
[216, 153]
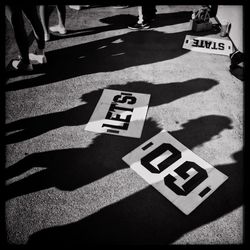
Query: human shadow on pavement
[27, 128]
[64, 63]
[124, 20]
[161, 20]
[68, 169]
[116, 22]
[147, 217]
[104, 55]
[112, 23]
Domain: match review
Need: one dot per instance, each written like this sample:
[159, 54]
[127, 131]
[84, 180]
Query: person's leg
[140, 24]
[15, 17]
[140, 15]
[148, 12]
[61, 12]
[31, 13]
[45, 21]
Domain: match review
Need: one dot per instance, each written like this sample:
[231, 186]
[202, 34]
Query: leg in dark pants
[15, 17]
[31, 13]
[14, 14]
[148, 12]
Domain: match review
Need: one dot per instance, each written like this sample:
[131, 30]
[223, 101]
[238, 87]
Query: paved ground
[69, 186]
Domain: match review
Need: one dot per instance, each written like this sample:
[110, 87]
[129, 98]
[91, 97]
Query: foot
[236, 57]
[120, 6]
[19, 64]
[46, 37]
[38, 57]
[75, 7]
[58, 29]
[139, 26]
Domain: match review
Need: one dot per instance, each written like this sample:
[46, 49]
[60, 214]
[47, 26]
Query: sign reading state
[208, 45]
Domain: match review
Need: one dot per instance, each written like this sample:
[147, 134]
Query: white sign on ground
[175, 171]
[208, 45]
[119, 113]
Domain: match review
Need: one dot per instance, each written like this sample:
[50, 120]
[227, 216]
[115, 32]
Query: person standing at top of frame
[14, 14]
[60, 27]
[146, 14]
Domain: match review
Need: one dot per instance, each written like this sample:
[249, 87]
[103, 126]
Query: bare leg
[44, 21]
[140, 18]
[61, 11]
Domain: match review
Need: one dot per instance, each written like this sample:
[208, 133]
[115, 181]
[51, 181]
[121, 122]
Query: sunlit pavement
[69, 186]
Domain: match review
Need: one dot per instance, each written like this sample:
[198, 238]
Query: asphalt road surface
[67, 186]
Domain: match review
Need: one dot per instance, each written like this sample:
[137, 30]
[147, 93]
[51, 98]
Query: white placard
[208, 45]
[175, 171]
[119, 113]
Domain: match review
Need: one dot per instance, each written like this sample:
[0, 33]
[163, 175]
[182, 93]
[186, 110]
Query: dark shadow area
[237, 71]
[69, 169]
[109, 54]
[27, 128]
[122, 21]
[105, 55]
[147, 217]
[162, 19]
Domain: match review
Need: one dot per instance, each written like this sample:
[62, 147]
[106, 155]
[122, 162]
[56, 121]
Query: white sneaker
[58, 29]
[37, 59]
[75, 7]
[22, 66]
[120, 6]
[46, 37]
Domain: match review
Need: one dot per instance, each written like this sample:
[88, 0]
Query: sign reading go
[175, 171]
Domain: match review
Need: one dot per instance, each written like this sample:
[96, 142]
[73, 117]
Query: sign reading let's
[119, 113]
[175, 171]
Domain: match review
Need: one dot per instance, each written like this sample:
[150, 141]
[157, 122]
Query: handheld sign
[208, 45]
[175, 171]
[119, 113]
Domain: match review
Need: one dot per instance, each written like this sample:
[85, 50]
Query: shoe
[237, 71]
[58, 29]
[139, 26]
[120, 6]
[19, 64]
[236, 57]
[75, 7]
[46, 37]
[38, 58]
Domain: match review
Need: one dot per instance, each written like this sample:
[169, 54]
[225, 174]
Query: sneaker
[75, 7]
[58, 29]
[236, 57]
[120, 6]
[38, 57]
[19, 64]
[46, 37]
[139, 26]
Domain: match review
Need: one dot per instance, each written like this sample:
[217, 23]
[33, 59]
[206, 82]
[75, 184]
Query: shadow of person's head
[202, 129]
